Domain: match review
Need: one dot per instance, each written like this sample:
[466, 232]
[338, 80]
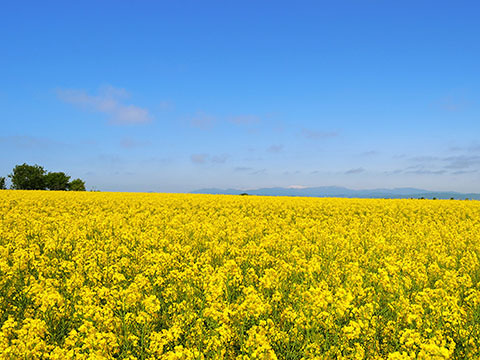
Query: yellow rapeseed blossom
[173, 276]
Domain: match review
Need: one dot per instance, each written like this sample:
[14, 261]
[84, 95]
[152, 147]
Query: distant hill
[335, 191]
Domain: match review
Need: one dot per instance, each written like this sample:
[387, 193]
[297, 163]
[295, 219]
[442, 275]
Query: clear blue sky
[174, 96]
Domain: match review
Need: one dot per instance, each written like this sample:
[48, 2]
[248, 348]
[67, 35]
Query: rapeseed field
[167, 276]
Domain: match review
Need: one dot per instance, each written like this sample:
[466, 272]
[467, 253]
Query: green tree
[57, 181]
[28, 177]
[3, 185]
[77, 185]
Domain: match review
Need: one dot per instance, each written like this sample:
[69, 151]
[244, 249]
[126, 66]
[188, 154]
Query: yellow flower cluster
[173, 276]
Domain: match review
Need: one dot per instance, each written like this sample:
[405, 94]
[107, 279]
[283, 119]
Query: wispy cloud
[205, 121]
[244, 119]
[109, 101]
[474, 148]
[199, 158]
[462, 162]
[355, 171]
[243, 168]
[369, 153]
[220, 159]
[426, 172]
[287, 172]
[462, 172]
[275, 148]
[393, 172]
[317, 135]
[425, 158]
[456, 164]
[166, 105]
[249, 170]
[202, 120]
[29, 142]
[258, 172]
[453, 104]
[206, 158]
[129, 143]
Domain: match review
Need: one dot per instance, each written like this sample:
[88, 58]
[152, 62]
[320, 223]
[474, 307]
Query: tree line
[34, 177]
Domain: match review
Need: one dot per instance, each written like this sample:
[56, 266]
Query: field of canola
[164, 276]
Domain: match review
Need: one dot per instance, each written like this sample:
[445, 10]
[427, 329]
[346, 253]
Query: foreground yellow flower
[164, 276]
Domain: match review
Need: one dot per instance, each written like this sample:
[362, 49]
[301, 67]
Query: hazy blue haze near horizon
[178, 96]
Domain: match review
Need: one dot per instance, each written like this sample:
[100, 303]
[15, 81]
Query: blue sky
[174, 96]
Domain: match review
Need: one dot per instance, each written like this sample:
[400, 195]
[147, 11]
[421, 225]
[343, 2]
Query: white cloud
[109, 101]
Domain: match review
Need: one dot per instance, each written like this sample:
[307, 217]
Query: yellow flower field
[167, 276]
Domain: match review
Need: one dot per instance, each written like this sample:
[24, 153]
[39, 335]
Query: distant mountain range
[335, 191]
